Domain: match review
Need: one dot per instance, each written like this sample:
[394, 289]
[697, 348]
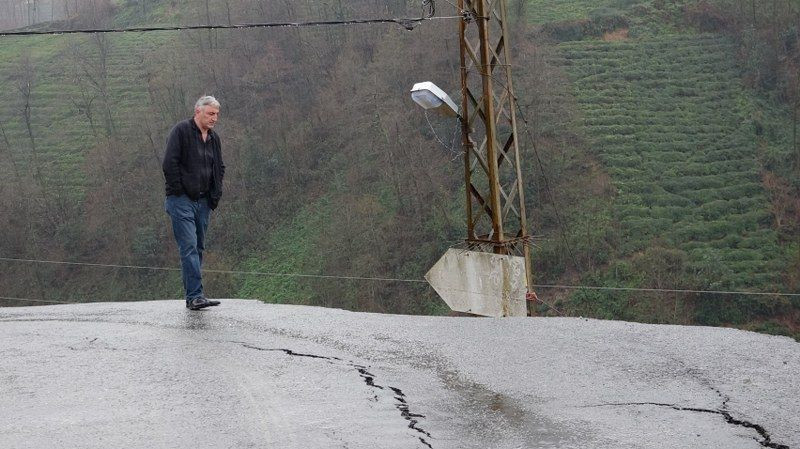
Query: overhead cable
[390, 279]
[561, 226]
[237, 272]
[454, 153]
[407, 23]
[665, 290]
[8, 298]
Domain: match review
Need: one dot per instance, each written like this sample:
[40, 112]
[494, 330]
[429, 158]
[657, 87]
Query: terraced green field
[545, 11]
[669, 119]
[59, 85]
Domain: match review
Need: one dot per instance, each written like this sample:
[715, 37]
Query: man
[193, 170]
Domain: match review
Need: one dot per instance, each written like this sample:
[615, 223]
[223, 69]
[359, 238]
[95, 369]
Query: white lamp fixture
[429, 96]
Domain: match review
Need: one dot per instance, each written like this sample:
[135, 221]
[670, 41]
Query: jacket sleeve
[171, 164]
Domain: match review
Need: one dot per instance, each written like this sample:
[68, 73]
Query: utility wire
[560, 222]
[50, 301]
[665, 290]
[534, 147]
[452, 147]
[390, 279]
[252, 273]
[548, 189]
[8, 298]
[408, 23]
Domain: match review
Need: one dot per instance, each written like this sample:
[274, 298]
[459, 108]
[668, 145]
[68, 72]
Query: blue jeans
[189, 224]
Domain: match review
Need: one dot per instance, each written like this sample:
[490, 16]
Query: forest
[660, 152]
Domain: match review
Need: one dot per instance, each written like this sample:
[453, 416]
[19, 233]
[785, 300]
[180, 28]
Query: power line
[390, 279]
[408, 23]
[238, 272]
[452, 147]
[664, 290]
[50, 301]
[8, 298]
[535, 149]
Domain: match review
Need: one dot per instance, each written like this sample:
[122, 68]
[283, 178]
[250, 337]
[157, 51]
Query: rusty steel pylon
[496, 219]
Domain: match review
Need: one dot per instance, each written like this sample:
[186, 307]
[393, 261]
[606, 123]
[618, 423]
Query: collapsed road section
[247, 374]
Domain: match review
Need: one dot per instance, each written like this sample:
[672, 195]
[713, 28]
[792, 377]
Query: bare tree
[91, 75]
[83, 104]
[5, 148]
[23, 78]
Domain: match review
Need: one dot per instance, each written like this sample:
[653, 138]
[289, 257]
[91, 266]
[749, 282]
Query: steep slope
[699, 167]
[655, 151]
[69, 94]
[668, 117]
[692, 155]
[295, 136]
[548, 11]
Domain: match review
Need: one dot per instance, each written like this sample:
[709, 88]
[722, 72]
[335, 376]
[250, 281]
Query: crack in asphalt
[405, 412]
[766, 439]
[723, 410]
[288, 352]
[401, 404]
[368, 377]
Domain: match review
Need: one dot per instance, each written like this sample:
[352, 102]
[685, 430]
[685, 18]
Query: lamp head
[429, 96]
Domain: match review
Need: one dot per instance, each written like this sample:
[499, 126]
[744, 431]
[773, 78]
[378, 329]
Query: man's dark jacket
[185, 159]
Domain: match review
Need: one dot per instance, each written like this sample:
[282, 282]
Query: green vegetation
[547, 11]
[675, 127]
[663, 132]
[100, 107]
[101, 71]
[291, 251]
[73, 148]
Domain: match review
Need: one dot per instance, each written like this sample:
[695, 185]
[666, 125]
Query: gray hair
[207, 100]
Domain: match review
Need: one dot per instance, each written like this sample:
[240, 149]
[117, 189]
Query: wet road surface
[251, 375]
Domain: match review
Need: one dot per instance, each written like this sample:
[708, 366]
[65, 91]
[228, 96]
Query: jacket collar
[197, 129]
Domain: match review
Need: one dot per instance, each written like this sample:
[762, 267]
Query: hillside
[658, 164]
[543, 12]
[689, 151]
[285, 151]
[669, 119]
[67, 134]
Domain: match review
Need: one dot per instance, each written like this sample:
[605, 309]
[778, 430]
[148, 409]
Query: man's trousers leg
[189, 224]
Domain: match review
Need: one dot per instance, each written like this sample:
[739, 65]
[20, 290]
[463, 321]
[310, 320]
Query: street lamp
[429, 96]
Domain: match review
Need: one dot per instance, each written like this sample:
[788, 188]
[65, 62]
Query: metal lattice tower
[496, 218]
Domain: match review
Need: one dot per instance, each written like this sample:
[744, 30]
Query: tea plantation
[546, 11]
[668, 117]
[61, 76]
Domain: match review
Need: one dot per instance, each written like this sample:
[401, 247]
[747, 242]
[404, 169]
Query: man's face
[206, 117]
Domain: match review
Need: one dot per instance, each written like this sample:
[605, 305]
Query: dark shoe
[211, 302]
[199, 303]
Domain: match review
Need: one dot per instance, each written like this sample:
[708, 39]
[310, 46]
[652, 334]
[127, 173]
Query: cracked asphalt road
[251, 375]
